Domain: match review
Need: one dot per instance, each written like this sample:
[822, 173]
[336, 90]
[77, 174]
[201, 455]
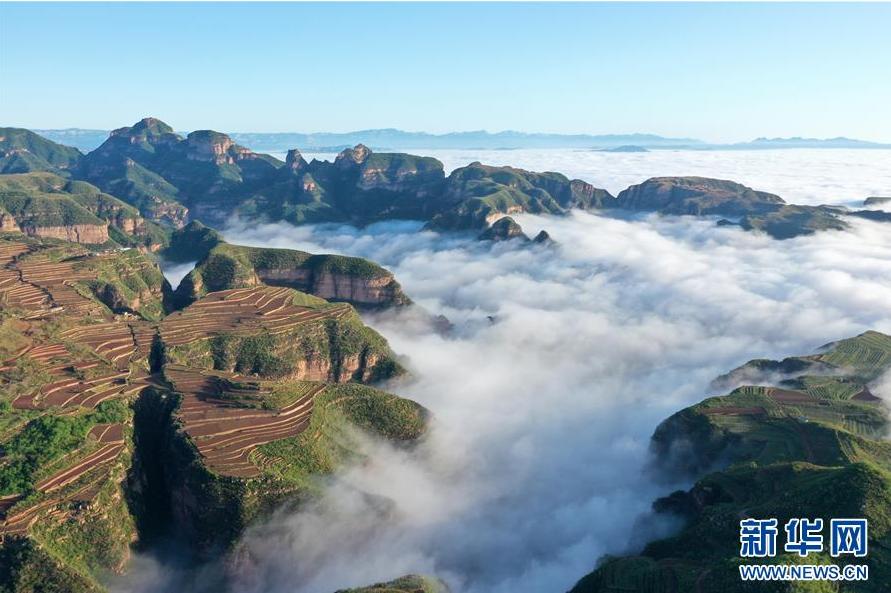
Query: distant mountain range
[146, 179]
[392, 139]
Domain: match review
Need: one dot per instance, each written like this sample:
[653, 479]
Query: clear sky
[719, 72]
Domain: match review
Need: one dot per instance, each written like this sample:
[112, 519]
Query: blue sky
[720, 72]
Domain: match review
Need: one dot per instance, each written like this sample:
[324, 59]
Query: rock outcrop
[376, 291]
[79, 233]
[46, 205]
[477, 195]
[543, 238]
[790, 221]
[353, 280]
[8, 223]
[207, 176]
[503, 229]
[696, 195]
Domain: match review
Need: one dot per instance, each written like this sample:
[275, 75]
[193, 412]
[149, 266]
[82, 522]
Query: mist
[562, 362]
[175, 272]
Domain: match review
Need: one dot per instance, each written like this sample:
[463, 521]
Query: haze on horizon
[717, 72]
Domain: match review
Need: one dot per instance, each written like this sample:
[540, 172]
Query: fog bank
[562, 363]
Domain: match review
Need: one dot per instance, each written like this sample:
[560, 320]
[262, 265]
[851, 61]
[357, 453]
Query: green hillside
[476, 194]
[223, 266]
[23, 151]
[406, 584]
[41, 201]
[811, 447]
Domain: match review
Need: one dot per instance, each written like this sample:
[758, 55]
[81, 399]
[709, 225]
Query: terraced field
[219, 413]
[118, 342]
[32, 281]
[89, 359]
[242, 311]
[57, 279]
[106, 442]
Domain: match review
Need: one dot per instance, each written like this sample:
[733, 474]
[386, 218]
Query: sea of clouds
[561, 363]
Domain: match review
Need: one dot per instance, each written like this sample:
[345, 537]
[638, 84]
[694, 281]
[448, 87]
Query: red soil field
[728, 411]
[118, 342]
[784, 396]
[865, 396]
[10, 251]
[226, 432]
[110, 438]
[240, 311]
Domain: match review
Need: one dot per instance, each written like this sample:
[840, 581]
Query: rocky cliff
[8, 223]
[76, 233]
[208, 176]
[339, 278]
[503, 229]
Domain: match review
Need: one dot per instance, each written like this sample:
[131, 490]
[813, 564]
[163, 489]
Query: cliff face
[372, 292]
[47, 205]
[330, 342]
[8, 223]
[210, 147]
[348, 279]
[80, 233]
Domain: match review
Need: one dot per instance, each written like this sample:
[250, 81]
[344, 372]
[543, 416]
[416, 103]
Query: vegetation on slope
[355, 280]
[23, 151]
[41, 203]
[408, 584]
[812, 447]
[82, 477]
[129, 283]
[793, 221]
[46, 439]
[477, 194]
[169, 179]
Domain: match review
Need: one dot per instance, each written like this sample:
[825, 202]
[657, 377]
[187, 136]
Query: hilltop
[23, 151]
[223, 266]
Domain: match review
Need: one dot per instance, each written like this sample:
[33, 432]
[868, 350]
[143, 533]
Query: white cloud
[534, 467]
[176, 272]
